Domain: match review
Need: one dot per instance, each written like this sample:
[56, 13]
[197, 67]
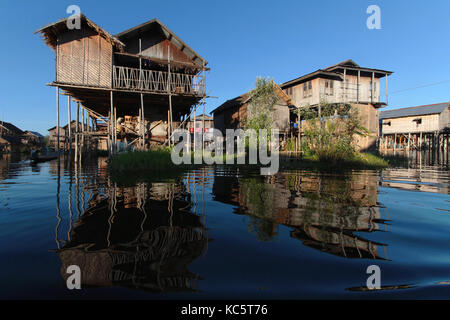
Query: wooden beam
[387, 95]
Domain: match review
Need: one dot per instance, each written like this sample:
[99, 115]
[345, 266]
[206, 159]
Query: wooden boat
[47, 156]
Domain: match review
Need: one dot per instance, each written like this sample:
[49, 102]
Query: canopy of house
[414, 111]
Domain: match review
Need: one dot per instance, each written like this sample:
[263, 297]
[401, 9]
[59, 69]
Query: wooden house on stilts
[140, 84]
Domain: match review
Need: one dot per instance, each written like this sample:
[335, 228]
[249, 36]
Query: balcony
[157, 81]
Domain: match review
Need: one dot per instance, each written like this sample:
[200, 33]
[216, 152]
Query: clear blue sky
[241, 40]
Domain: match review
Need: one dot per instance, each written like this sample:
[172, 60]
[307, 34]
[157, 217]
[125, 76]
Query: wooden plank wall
[84, 58]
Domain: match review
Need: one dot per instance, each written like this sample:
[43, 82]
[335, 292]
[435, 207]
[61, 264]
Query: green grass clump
[153, 160]
[355, 161]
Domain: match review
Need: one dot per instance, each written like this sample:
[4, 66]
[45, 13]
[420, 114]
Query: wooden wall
[84, 58]
[430, 123]
[155, 45]
[369, 118]
[234, 117]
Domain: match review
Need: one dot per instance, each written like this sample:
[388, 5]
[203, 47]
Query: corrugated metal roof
[414, 111]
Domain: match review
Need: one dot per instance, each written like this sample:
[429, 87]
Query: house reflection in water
[142, 237]
[324, 211]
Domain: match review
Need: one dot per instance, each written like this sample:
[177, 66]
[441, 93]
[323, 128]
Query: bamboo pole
[169, 79]
[143, 121]
[203, 128]
[387, 95]
[69, 119]
[357, 86]
[77, 128]
[82, 131]
[115, 129]
[373, 85]
[57, 119]
[111, 123]
[195, 128]
[298, 129]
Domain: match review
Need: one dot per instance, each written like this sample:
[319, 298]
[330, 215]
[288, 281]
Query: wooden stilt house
[146, 74]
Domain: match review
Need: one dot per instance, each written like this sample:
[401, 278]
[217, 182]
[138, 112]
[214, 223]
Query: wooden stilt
[77, 131]
[169, 90]
[111, 124]
[115, 130]
[143, 121]
[195, 128]
[69, 119]
[203, 127]
[57, 119]
[409, 141]
[298, 133]
[395, 143]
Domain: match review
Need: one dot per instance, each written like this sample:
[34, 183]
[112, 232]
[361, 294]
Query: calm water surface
[222, 233]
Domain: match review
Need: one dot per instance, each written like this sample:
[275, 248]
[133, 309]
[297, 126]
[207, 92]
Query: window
[307, 89]
[288, 91]
[329, 87]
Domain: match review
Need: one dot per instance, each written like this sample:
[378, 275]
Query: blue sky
[241, 40]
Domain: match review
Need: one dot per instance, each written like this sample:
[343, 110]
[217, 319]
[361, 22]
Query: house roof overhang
[51, 32]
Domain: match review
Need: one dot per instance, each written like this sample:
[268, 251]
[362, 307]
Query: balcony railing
[157, 81]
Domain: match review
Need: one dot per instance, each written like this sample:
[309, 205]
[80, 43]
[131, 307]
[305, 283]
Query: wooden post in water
[420, 141]
[409, 140]
[143, 121]
[203, 127]
[77, 131]
[195, 128]
[298, 131]
[69, 119]
[111, 124]
[57, 119]
[170, 98]
[115, 130]
[395, 143]
[82, 133]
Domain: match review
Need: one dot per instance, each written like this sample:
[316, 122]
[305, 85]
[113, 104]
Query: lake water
[216, 233]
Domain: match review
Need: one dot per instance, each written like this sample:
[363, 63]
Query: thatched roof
[51, 32]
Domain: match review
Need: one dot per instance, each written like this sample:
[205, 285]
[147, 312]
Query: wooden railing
[157, 81]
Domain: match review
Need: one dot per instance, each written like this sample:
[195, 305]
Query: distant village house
[415, 127]
[233, 113]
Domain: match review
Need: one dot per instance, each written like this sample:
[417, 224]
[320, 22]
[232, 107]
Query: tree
[262, 100]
